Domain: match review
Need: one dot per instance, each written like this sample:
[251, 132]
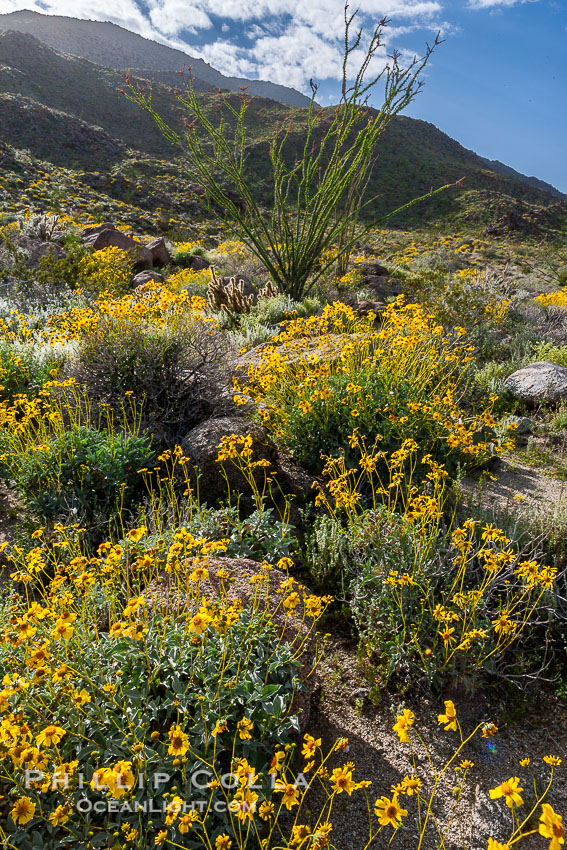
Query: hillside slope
[80, 88]
[71, 112]
[115, 47]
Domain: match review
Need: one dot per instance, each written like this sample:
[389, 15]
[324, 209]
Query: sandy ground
[516, 485]
[533, 725]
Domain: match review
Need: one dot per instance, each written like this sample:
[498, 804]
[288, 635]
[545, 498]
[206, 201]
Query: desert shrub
[83, 473]
[152, 303]
[230, 250]
[66, 462]
[183, 252]
[329, 553]
[51, 271]
[249, 336]
[317, 194]
[122, 722]
[334, 375]
[54, 273]
[556, 299]
[472, 297]
[489, 381]
[257, 535]
[232, 258]
[173, 369]
[192, 282]
[107, 270]
[548, 351]
[514, 341]
[42, 226]
[129, 678]
[350, 281]
[435, 599]
[274, 310]
[261, 323]
[338, 553]
[25, 369]
[547, 320]
[26, 315]
[442, 259]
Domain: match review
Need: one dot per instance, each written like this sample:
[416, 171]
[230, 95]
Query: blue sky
[498, 84]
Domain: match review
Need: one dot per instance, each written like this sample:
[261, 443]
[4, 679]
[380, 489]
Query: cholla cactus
[41, 226]
[270, 290]
[228, 299]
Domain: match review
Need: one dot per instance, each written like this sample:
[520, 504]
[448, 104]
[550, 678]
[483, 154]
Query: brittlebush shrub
[135, 669]
[432, 599]
[84, 473]
[327, 377]
[109, 269]
[124, 726]
[67, 464]
[554, 353]
[24, 370]
[185, 251]
[554, 299]
[195, 283]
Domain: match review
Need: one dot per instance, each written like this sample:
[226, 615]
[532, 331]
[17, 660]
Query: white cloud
[287, 41]
[295, 57]
[172, 16]
[227, 58]
[125, 13]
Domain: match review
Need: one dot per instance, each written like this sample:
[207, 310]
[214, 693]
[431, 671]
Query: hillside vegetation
[55, 106]
[277, 573]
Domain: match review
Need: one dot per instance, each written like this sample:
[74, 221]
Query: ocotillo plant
[318, 196]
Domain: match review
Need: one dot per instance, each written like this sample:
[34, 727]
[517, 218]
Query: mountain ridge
[112, 46]
[71, 112]
[508, 171]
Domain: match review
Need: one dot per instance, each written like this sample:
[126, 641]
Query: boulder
[106, 236]
[295, 627]
[35, 250]
[90, 232]
[373, 270]
[363, 308]
[144, 277]
[197, 263]
[538, 382]
[383, 287]
[201, 446]
[160, 254]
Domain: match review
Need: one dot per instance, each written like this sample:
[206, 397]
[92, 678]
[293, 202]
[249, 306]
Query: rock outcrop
[145, 277]
[201, 446]
[107, 236]
[197, 263]
[538, 382]
[35, 250]
[373, 270]
[159, 251]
